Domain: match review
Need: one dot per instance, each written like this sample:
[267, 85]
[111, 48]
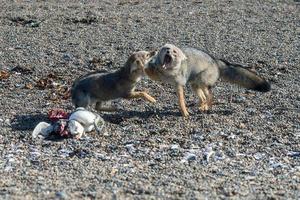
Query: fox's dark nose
[167, 50]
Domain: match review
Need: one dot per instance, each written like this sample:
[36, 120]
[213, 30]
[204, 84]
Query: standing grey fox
[179, 66]
[95, 88]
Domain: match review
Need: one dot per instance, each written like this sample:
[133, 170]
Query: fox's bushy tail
[237, 74]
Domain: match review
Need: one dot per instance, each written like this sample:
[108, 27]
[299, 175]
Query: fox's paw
[151, 99]
[204, 107]
[185, 114]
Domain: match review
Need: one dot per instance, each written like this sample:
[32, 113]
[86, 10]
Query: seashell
[188, 157]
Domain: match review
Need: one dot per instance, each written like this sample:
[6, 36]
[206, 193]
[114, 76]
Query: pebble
[175, 147]
[219, 155]
[61, 195]
[188, 157]
[67, 57]
[34, 24]
[19, 85]
[294, 154]
[64, 153]
[258, 156]
[7, 122]
[130, 148]
[276, 164]
[8, 168]
[101, 157]
[240, 99]
[232, 136]
[198, 137]
[242, 126]
[251, 110]
[208, 153]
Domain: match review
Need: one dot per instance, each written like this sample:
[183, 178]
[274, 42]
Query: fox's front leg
[143, 95]
[181, 101]
[99, 107]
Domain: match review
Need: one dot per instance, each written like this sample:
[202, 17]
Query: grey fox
[179, 66]
[94, 88]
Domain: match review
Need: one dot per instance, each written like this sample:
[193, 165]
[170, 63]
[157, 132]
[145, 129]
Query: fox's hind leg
[205, 95]
[100, 107]
[209, 96]
[80, 99]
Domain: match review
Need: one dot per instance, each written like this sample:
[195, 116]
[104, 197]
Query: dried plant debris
[28, 86]
[88, 19]
[4, 74]
[64, 91]
[22, 70]
[47, 82]
[25, 21]
[58, 88]
[129, 2]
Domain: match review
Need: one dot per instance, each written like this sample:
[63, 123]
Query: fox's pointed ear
[181, 54]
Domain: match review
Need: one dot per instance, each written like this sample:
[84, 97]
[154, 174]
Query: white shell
[43, 129]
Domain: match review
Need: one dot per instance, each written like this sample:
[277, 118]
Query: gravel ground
[246, 147]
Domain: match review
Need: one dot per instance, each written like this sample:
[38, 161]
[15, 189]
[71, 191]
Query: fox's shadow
[218, 112]
[27, 122]
[123, 115]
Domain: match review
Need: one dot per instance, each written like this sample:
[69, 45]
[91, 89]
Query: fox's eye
[147, 55]
[174, 51]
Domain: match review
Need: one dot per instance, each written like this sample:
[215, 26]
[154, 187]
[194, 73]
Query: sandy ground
[246, 147]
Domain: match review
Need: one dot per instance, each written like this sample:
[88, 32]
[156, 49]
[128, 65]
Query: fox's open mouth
[167, 61]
